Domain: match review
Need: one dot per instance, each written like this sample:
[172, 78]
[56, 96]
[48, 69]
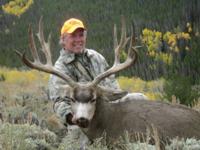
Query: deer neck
[103, 111]
[99, 122]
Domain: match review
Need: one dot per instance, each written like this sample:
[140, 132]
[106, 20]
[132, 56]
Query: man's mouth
[78, 48]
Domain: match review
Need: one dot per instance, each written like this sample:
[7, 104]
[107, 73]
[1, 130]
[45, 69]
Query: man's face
[75, 42]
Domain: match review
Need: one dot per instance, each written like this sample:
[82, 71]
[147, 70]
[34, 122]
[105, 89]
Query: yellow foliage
[187, 48]
[170, 38]
[152, 96]
[183, 35]
[189, 27]
[153, 40]
[125, 83]
[165, 57]
[152, 89]
[23, 77]
[152, 53]
[17, 7]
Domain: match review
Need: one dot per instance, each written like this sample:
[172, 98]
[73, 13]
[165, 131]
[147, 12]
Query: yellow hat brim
[72, 29]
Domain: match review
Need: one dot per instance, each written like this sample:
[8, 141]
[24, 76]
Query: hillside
[99, 17]
[28, 121]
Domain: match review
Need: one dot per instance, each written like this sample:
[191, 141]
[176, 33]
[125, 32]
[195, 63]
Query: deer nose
[83, 122]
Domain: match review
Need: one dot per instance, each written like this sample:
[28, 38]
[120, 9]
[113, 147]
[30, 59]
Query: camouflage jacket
[94, 64]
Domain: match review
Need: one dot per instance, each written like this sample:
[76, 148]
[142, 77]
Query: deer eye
[73, 100]
[70, 99]
[93, 100]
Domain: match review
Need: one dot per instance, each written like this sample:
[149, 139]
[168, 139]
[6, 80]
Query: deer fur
[136, 116]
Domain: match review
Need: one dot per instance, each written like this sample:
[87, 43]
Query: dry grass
[22, 101]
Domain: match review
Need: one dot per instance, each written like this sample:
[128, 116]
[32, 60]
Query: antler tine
[48, 68]
[131, 58]
[116, 46]
[115, 36]
[45, 45]
[131, 50]
[32, 45]
[123, 41]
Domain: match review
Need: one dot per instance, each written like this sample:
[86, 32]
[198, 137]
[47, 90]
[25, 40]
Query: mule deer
[93, 112]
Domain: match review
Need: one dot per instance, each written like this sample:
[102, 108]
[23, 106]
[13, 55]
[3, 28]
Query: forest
[168, 67]
[168, 32]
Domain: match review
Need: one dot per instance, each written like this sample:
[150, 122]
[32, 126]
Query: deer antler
[131, 58]
[36, 64]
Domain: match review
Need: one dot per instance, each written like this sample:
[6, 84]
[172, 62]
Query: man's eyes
[77, 35]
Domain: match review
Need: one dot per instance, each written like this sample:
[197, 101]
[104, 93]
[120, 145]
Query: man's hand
[69, 119]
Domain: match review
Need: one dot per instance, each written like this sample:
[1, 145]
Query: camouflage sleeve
[62, 108]
[56, 87]
[57, 93]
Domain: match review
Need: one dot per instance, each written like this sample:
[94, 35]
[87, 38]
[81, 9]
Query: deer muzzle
[83, 122]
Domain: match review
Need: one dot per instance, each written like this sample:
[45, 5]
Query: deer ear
[112, 95]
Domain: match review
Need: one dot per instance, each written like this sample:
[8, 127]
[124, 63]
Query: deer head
[83, 96]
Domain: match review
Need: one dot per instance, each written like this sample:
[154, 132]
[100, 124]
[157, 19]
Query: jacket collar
[68, 57]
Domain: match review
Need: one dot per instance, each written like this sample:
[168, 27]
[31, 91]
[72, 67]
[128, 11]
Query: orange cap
[71, 25]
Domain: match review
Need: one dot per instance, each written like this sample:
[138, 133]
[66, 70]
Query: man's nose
[78, 38]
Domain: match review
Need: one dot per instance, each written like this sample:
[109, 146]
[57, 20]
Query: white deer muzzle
[82, 112]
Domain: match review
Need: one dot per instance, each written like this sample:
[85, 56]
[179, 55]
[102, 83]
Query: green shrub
[23, 137]
[182, 88]
[2, 77]
[188, 144]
